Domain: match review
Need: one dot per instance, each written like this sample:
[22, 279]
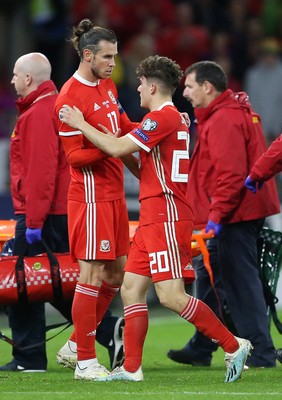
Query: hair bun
[84, 26]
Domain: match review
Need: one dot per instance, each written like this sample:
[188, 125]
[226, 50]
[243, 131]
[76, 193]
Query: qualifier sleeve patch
[149, 125]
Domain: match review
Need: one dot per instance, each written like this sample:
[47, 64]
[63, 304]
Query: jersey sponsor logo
[141, 134]
[188, 267]
[149, 125]
[112, 97]
[96, 107]
[92, 333]
[105, 246]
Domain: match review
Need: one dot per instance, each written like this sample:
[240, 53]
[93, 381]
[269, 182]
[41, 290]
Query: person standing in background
[39, 178]
[98, 218]
[266, 99]
[269, 164]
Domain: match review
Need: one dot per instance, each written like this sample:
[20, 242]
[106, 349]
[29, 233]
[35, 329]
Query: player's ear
[153, 88]
[208, 87]
[28, 79]
[87, 55]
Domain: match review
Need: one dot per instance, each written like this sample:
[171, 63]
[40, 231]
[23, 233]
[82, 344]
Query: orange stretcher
[7, 231]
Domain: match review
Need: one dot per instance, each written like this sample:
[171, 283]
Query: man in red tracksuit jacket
[269, 164]
[230, 140]
[40, 177]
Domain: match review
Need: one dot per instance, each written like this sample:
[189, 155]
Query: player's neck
[156, 102]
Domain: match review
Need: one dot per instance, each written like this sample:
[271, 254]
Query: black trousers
[234, 261]
[27, 321]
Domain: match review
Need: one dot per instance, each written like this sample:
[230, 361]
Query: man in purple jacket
[230, 140]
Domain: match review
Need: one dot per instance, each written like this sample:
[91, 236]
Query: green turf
[163, 379]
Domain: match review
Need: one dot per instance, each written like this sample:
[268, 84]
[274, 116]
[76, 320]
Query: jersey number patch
[177, 156]
[159, 262]
[114, 121]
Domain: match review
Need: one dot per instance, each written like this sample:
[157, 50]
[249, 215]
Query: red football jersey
[100, 179]
[164, 139]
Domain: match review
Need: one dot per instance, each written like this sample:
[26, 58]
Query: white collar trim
[84, 81]
[167, 103]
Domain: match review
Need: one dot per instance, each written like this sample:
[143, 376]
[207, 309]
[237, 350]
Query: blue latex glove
[253, 186]
[213, 226]
[33, 235]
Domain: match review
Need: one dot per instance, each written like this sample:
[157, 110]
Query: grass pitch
[164, 379]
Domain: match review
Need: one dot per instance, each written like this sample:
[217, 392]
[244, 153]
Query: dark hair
[209, 71]
[88, 36]
[162, 68]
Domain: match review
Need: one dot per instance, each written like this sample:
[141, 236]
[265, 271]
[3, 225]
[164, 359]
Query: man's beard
[96, 73]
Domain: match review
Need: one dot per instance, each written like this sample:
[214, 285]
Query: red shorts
[98, 231]
[162, 251]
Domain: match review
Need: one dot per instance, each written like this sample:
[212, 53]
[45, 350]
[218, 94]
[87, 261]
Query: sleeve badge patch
[149, 125]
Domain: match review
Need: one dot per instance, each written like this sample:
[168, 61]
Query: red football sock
[135, 330]
[204, 319]
[106, 294]
[84, 319]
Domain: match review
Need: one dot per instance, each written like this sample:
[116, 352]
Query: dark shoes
[14, 366]
[185, 356]
[115, 347]
[279, 355]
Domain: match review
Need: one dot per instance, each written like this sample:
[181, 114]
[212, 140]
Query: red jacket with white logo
[39, 172]
[230, 140]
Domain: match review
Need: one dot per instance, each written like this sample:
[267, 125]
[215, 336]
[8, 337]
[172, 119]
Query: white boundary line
[154, 393]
